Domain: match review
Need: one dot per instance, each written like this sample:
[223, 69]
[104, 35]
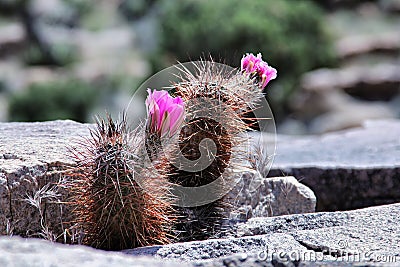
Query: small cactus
[217, 102]
[217, 106]
[114, 211]
[121, 201]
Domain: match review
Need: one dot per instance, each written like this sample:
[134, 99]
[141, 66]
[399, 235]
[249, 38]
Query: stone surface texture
[18, 252]
[360, 236]
[256, 196]
[350, 169]
[366, 237]
[33, 157]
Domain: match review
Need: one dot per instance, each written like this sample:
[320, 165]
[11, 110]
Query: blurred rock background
[338, 60]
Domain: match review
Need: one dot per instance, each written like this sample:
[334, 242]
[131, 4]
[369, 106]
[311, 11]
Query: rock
[364, 44]
[216, 248]
[18, 252]
[366, 230]
[348, 169]
[107, 53]
[350, 114]
[255, 196]
[395, 105]
[379, 82]
[32, 156]
[368, 235]
[334, 110]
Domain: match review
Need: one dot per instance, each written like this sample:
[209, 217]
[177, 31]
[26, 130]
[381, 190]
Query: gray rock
[18, 252]
[346, 170]
[363, 236]
[350, 114]
[216, 248]
[255, 196]
[372, 82]
[368, 236]
[292, 127]
[100, 50]
[32, 156]
[334, 110]
[354, 45]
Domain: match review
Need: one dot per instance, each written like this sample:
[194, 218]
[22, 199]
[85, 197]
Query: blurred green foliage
[290, 35]
[70, 99]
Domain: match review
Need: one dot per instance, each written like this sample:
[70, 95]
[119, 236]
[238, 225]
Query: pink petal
[250, 62]
[176, 118]
[165, 113]
[157, 95]
[178, 100]
[164, 127]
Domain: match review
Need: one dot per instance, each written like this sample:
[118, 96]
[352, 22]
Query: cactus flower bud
[255, 66]
[249, 62]
[165, 113]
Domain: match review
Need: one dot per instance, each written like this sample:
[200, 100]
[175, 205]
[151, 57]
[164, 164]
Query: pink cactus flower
[249, 62]
[256, 67]
[265, 73]
[165, 113]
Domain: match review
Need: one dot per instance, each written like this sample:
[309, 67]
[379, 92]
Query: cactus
[114, 210]
[218, 103]
[121, 201]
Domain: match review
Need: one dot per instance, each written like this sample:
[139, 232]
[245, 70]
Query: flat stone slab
[19, 252]
[364, 44]
[32, 158]
[370, 235]
[376, 82]
[361, 237]
[349, 169]
[25, 145]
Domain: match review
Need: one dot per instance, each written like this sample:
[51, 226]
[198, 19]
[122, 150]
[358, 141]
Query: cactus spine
[114, 211]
